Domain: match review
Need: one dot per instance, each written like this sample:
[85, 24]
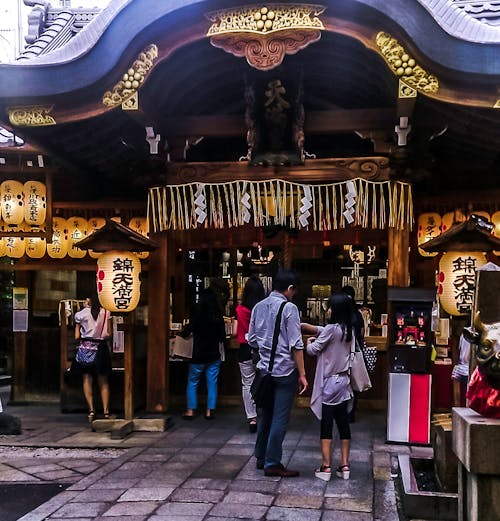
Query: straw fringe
[378, 204]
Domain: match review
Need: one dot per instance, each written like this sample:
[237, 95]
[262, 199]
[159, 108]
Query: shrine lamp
[118, 268]
[464, 246]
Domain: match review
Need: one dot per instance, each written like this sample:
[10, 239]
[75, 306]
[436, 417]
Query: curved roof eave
[95, 51]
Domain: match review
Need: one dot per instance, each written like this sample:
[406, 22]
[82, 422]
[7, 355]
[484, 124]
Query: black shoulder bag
[262, 388]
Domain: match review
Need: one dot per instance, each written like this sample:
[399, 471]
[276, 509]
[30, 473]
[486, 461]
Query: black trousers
[329, 413]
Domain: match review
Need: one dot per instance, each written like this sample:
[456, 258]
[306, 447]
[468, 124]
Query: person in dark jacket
[207, 327]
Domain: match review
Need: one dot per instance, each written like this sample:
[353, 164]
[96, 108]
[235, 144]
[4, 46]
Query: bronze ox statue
[483, 393]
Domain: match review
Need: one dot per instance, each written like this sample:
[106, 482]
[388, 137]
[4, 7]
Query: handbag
[86, 350]
[262, 388]
[360, 380]
[183, 347]
[370, 356]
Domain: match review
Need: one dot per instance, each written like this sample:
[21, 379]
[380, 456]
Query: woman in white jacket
[332, 388]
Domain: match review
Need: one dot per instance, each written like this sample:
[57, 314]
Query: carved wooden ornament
[265, 35]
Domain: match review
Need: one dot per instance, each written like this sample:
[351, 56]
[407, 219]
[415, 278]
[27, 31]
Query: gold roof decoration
[266, 19]
[404, 66]
[265, 34]
[31, 116]
[131, 81]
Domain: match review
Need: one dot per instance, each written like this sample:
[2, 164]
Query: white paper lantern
[35, 246]
[118, 284]
[11, 196]
[94, 223]
[429, 227]
[457, 280]
[15, 247]
[77, 230]
[450, 218]
[35, 203]
[140, 225]
[58, 248]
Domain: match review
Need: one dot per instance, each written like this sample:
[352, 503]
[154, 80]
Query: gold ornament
[31, 116]
[131, 81]
[404, 66]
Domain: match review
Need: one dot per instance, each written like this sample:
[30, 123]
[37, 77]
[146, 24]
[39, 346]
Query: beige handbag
[183, 347]
[360, 380]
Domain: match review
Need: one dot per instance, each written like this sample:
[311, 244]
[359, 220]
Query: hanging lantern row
[23, 203]
[431, 225]
[65, 234]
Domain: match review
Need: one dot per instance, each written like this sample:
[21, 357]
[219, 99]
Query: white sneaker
[324, 473]
[343, 472]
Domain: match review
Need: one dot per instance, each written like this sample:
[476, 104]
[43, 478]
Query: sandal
[91, 416]
[187, 416]
[343, 471]
[252, 425]
[324, 472]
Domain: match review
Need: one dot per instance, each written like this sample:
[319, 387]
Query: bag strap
[103, 323]
[352, 352]
[275, 337]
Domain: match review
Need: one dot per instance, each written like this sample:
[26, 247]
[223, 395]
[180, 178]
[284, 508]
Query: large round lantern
[35, 203]
[11, 197]
[58, 248]
[35, 246]
[140, 225]
[429, 226]
[94, 223]
[118, 284]
[77, 230]
[457, 280]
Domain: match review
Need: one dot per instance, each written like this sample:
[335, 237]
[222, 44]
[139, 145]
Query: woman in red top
[253, 292]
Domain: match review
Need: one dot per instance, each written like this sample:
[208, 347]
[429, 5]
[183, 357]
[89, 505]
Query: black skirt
[101, 365]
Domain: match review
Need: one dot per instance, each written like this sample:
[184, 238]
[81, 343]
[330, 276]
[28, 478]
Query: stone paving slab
[205, 471]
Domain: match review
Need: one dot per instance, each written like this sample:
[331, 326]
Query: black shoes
[259, 464]
[280, 471]
[210, 415]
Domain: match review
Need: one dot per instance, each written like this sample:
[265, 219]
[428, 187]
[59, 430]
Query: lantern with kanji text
[12, 202]
[118, 283]
[429, 226]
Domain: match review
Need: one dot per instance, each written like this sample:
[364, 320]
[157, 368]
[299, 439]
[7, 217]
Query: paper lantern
[429, 227]
[118, 284]
[15, 247]
[35, 246]
[94, 223]
[77, 230]
[457, 280]
[58, 248]
[140, 225]
[11, 195]
[450, 218]
[35, 203]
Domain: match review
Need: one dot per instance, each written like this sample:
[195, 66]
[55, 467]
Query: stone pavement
[197, 470]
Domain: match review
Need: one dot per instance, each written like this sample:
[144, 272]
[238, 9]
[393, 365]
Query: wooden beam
[316, 122]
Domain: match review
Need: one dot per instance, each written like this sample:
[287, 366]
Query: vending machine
[410, 348]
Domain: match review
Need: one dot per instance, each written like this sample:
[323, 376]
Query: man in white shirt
[287, 371]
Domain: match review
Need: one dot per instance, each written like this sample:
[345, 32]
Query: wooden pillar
[128, 365]
[158, 327]
[399, 257]
[18, 392]
[287, 251]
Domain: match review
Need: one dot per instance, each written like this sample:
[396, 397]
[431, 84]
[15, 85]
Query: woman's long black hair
[95, 306]
[253, 292]
[341, 313]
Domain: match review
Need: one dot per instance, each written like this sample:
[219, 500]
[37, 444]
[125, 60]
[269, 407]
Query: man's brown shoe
[280, 471]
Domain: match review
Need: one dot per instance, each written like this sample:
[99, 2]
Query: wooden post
[128, 364]
[287, 251]
[22, 279]
[158, 327]
[399, 258]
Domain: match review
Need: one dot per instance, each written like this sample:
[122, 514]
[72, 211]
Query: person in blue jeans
[287, 370]
[207, 327]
